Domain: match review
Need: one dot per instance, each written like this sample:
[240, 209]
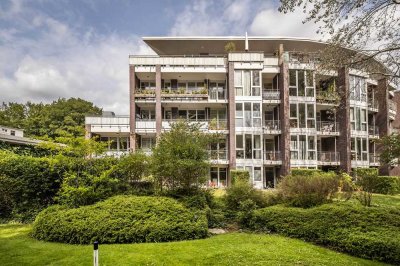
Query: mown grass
[17, 248]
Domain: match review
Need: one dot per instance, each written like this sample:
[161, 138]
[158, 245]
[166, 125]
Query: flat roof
[18, 140]
[195, 45]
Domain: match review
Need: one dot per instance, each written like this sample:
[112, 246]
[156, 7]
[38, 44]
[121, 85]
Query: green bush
[121, 219]
[307, 188]
[387, 185]
[372, 233]
[366, 180]
[31, 183]
[240, 175]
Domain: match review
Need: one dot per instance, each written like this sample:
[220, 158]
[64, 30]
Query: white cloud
[270, 22]
[60, 61]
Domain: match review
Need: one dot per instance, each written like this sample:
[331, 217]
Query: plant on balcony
[181, 91]
[213, 124]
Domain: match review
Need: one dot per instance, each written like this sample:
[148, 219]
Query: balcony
[205, 124]
[373, 131]
[373, 105]
[218, 156]
[108, 124]
[272, 157]
[392, 109]
[328, 158]
[272, 127]
[374, 159]
[145, 126]
[328, 97]
[180, 95]
[272, 96]
[328, 128]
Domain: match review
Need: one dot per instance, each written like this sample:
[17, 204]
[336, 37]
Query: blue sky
[60, 48]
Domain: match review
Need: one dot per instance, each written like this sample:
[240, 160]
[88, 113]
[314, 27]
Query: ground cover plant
[121, 219]
[17, 248]
[372, 232]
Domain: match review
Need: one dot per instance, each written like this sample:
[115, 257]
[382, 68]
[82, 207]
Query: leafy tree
[59, 118]
[180, 160]
[369, 26]
[390, 154]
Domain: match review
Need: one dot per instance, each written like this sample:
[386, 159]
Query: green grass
[17, 248]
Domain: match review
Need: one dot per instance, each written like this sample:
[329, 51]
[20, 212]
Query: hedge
[121, 219]
[387, 185]
[240, 175]
[372, 233]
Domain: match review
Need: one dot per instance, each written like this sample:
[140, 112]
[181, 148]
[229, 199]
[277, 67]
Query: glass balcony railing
[328, 157]
[327, 127]
[373, 104]
[373, 130]
[272, 125]
[218, 155]
[272, 155]
[271, 95]
[374, 158]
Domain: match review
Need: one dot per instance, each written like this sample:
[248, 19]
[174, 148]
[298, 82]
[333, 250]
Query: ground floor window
[218, 177]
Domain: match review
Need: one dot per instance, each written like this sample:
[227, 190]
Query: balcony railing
[328, 97]
[373, 130]
[272, 156]
[271, 95]
[218, 154]
[272, 125]
[327, 127]
[392, 106]
[205, 124]
[328, 157]
[121, 120]
[373, 104]
[181, 95]
[374, 158]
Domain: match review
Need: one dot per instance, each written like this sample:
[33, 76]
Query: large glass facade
[248, 146]
[247, 83]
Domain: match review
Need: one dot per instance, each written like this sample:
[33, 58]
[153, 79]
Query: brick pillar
[158, 100]
[382, 117]
[231, 119]
[284, 140]
[343, 117]
[132, 108]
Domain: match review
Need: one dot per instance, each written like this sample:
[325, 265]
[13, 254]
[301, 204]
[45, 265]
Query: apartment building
[274, 108]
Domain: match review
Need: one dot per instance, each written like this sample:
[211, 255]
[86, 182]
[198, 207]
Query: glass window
[248, 146]
[239, 141]
[302, 115]
[257, 173]
[246, 83]
[309, 78]
[292, 78]
[301, 86]
[256, 78]
[201, 115]
[247, 114]
[238, 78]
[257, 147]
[256, 115]
[239, 114]
[182, 114]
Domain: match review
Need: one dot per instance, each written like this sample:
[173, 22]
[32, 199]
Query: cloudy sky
[79, 48]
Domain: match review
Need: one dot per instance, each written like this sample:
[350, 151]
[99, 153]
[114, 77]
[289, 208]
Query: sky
[79, 48]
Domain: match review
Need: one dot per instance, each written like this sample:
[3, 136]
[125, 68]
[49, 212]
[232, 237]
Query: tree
[390, 154]
[180, 159]
[230, 47]
[371, 27]
[59, 118]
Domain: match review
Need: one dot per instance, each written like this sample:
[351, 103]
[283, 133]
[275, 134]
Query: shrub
[372, 233]
[387, 185]
[241, 191]
[307, 188]
[33, 181]
[366, 179]
[121, 219]
[240, 175]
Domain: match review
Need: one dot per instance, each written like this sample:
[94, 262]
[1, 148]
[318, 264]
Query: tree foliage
[59, 118]
[180, 160]
[369, 26]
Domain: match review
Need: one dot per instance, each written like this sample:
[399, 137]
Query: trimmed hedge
[240, 176]
[121, 219]
[372, 233]
[387, 185]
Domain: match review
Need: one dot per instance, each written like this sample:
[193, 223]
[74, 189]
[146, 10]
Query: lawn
[17, 248]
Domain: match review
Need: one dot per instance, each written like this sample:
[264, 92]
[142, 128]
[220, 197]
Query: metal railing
[271, 125]
[211, 124]
[326, 127]
[272, 155]
[271, 94]
[328, 157]
[374, 158]
[373, 130]
[218, 154]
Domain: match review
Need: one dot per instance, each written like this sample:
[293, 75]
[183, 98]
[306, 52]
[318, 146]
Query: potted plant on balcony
[213, 124]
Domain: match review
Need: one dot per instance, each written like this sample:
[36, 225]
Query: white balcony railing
[201, 61]
[272, 125]
[218, 155]
[374, 158]
[373, 130]
[272, 156]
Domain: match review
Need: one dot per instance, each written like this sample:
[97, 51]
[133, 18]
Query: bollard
[96, 253]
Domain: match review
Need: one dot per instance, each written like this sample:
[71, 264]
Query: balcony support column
[158, 101]
[284, 140]
[231, 119]
[382, 117]
[343, 116]
[132, 108]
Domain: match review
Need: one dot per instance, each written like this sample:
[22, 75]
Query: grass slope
[17, 248]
